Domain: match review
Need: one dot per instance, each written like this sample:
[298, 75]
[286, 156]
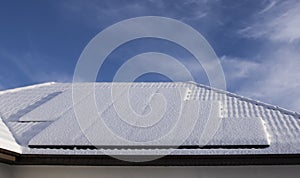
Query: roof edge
[169, 160]
[255, 101]
[26, 87]
[247, 99]
[7, 141]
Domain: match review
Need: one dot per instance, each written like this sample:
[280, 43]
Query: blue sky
[257, 41]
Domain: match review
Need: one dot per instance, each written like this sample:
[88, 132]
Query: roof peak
[247, 99]
[26, 87]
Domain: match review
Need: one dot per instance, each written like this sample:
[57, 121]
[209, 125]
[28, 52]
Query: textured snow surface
[7, 140]
[44, 115]
[60, 132]
[241, 131]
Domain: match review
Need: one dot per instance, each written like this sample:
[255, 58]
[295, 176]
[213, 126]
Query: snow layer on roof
[25, 88]
[60, 132]
[282, 126]
[242, 131]
[17, 102]
[7, 141]
[13, 103]
[66, 131]
[51, 110]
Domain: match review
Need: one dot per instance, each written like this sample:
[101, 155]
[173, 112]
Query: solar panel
[200, 122]
[52, 109]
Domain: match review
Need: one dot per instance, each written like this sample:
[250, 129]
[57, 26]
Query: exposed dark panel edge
[170, 160]
[71, 147]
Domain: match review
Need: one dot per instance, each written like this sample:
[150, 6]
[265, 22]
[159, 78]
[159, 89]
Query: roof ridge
[244, 98]
[254, 101]
[26, 87]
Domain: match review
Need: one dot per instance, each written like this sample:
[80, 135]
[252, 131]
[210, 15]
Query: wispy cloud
[275, 77]
[21, 63]
[237, 69]
[268, 7]
[275, 80]
[108, 12]
[34, 68]
[277, 22]
[279, 81]
[271, 76]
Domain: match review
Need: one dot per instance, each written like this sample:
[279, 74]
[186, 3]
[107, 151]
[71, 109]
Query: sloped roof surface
[40, 120]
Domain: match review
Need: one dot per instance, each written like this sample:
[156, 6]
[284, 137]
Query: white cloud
[279, 79]
[237, 68]
[275, 80]
[268, 7]
[106, 13]
[277, 22]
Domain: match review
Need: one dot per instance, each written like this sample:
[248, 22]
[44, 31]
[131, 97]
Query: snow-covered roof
[40, 120]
